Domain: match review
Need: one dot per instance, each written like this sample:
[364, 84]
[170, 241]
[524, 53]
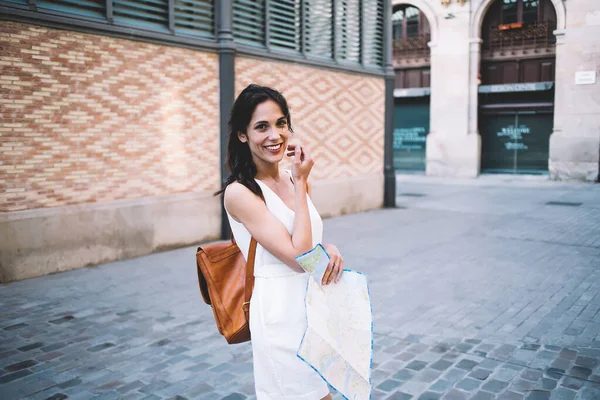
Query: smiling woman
[273, 207]
[271, 134]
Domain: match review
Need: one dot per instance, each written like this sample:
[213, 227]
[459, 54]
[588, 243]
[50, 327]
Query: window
[412, 22]
[398, 24]
[407, 22]
[530, 11]
[520, 11]
[510, 12]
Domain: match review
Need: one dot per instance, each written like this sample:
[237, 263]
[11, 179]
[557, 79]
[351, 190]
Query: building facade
[506, 86]
[114, 112]
[114, 117]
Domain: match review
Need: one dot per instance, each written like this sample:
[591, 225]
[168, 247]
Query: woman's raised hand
[303, 162]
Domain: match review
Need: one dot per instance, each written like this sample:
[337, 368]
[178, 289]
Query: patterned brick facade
[339, 115]
[88, 118]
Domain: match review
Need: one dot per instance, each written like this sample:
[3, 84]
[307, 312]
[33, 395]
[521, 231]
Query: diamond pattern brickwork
[86, 118]
[340, 116]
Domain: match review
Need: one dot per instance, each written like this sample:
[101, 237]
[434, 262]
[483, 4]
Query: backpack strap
[249, 286]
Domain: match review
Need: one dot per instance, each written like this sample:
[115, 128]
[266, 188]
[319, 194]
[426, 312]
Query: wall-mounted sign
[412, 92]
[516, 87]
[585, 77]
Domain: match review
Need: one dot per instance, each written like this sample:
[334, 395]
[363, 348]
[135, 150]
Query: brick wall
[86, 118]
[340, 116]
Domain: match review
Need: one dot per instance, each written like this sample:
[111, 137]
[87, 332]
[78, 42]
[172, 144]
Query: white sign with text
[585, 77]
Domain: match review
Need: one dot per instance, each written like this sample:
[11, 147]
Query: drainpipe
[226, 52]
[389, 191]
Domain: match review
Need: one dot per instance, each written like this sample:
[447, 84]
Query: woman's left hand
[336, 265]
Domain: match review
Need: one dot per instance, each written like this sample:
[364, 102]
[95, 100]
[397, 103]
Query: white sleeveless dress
[278, 314]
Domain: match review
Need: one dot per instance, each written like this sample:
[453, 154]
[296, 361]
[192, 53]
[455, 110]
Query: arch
[425, 9]
[477, 21]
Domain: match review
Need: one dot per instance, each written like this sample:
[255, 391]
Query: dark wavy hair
[239, 158]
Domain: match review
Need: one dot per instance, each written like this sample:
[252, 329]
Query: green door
[411, 126]
[515, 141]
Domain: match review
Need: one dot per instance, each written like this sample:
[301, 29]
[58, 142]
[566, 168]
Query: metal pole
[334, 37]
[267, 24]
[109, 11]
[389, 191]
[303, 27]
[226, 53]
[172, 16]
[362, 30]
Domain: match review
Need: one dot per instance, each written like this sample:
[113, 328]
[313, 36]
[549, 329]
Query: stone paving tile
[508, 395]
[399, 396]
[455, 394]
[481, 374]
[468, 384]
[482, 395]
[490, 294]
[430, 396]
[389, 385]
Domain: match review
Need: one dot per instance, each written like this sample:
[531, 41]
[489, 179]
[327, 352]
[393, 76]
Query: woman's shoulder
[238, 198]
[235, 192]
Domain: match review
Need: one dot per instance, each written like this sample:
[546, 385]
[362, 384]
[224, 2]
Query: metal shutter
[249, 21]
[373, 33]
[195, 17]
[318, 29]
[145, 14]
[347, 25]
[83, 8]
[284, 24]
[21, 2]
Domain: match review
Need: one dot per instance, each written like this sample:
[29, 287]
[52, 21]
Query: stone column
[575, 142]
[475, 61]
[453, 145]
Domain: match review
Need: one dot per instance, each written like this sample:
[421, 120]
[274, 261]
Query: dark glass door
[411, 126]
[515, 141]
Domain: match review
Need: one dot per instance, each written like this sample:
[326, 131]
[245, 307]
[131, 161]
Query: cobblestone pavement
[481, 289]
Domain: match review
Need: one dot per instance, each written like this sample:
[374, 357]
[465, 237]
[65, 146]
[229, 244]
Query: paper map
[339, 336]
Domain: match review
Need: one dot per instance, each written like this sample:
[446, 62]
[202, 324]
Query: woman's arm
[250, 210]
[247, 208]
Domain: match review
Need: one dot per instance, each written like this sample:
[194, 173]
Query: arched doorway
[516, 92]
[411, 32]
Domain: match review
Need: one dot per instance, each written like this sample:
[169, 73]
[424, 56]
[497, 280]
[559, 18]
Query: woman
[272, 205]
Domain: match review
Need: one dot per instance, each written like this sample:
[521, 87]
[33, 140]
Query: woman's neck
[267, 172]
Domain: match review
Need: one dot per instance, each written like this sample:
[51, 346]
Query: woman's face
[267, 134]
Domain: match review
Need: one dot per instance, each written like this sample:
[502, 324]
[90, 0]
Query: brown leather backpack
[226, 283]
